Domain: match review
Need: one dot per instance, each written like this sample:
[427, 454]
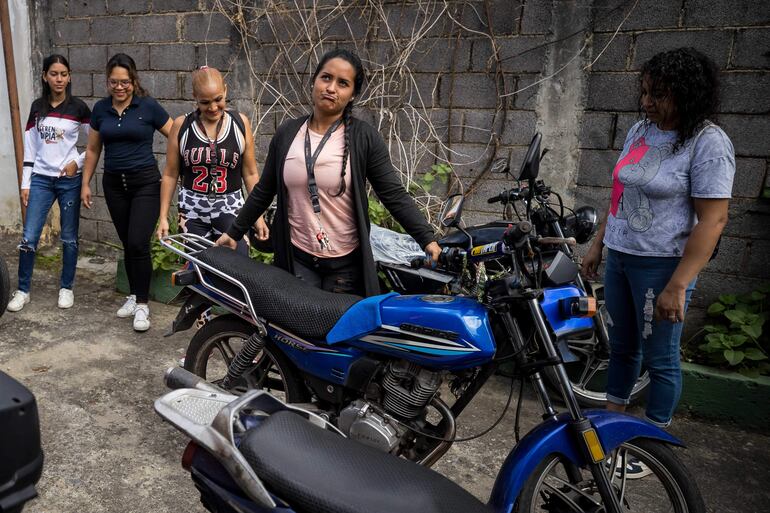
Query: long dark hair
[125, 61]
[691, 80]
[45, 103]
[358, 84]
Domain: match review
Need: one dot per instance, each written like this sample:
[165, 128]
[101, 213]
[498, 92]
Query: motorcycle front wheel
[214, 346]
[668, 487]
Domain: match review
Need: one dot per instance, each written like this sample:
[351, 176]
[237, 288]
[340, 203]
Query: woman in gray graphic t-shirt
[668, 207]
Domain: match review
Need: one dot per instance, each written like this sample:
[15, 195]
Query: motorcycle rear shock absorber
[243, 360]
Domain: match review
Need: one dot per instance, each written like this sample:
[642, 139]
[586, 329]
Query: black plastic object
[21, 457]
[582, 224]
[483, 234]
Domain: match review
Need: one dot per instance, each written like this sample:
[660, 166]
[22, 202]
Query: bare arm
[593, 258]
[250, 170]
[712, 218]
[93, 152]
[170, 176]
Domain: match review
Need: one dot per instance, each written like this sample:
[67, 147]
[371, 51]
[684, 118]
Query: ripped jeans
[43, 191]
[631, 284]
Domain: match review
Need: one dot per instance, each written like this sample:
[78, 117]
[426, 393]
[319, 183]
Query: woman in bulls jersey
[212, 149]
[52, 166]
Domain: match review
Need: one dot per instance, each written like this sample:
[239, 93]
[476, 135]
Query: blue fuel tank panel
[433, 330]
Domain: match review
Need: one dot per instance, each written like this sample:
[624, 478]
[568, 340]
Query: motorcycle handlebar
[509, 196]
[557, 241]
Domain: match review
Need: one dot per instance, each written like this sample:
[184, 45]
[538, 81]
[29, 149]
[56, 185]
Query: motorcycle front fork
[584, 434]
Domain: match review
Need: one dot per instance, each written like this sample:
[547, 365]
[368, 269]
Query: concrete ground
[107, 451]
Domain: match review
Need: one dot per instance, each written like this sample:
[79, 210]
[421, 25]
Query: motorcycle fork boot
[244, 359]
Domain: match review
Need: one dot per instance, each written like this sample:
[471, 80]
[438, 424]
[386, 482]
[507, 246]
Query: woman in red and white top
[212, 149]
[52, 167]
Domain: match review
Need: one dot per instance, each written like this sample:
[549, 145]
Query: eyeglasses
[119, 83]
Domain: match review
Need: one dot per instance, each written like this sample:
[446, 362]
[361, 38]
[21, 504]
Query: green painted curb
[718, 394]
[161, 289]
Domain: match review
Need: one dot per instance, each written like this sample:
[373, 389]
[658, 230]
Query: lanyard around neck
[310, 161]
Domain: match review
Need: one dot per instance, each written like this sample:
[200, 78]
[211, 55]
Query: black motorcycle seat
[278, 296]
[317, 471]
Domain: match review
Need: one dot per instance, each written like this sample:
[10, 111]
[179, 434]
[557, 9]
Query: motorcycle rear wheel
[5, 286]
[214, 346]
[670, 487]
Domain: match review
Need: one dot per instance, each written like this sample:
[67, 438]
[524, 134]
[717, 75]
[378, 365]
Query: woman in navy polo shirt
[125, 123]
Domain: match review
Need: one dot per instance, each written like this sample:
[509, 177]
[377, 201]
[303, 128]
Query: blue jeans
[43, 191]
[631, 284]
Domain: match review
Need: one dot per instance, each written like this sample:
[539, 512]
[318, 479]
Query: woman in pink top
[318, 166]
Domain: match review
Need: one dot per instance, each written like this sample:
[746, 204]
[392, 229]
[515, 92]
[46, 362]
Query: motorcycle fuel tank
[432, 330]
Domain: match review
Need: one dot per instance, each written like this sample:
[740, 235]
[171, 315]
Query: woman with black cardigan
[318, 166]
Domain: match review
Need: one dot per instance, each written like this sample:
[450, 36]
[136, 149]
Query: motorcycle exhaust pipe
[177, 377]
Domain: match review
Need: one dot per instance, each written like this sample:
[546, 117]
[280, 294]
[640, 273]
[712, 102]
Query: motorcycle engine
[361, 423]
[407, 390]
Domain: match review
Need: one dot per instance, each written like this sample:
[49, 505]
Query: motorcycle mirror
[453, 207]
[531, 165]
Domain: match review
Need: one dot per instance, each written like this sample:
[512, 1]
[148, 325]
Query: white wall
[10, 214]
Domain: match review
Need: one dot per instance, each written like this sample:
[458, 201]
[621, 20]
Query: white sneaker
[18, 301]
[66, 298]
[142, 318]
[128, 308]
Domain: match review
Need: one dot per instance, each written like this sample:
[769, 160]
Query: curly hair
[691, 80]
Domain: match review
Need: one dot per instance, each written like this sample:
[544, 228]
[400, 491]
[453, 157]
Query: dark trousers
[133, 199]
[342, 275]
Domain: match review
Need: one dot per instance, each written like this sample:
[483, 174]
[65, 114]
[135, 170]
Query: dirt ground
[108, 452]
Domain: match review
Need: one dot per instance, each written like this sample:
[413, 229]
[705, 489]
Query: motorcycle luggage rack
[188, 246]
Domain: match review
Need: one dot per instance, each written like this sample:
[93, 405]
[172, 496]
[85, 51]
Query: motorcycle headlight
[583, 224]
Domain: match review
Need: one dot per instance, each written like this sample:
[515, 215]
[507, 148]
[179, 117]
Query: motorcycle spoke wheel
[669, 488]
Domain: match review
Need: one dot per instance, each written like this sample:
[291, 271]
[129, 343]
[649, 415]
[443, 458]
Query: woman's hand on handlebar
[590, 264]
[227, 241]
[433, 251]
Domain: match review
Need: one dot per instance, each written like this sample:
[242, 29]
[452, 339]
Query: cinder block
[714, 43]
[711, 285]
[78, 8]
[217, 55]
[87, 229]
[745, 92]
[748, 134]
[749, 219]
[81, 84]
[431, 55]
[128, 6]
[504, 17]
[471, 91]
[610, 53]
[110, 29]
[720, 13]
[140, 54]
[595, 167]
[749, 178]
[596, 130]
[172, 57]
[206, 27]
[88, 58]
[161, 84]
[345, 26]
[647, 14]
[176, 5]
[480, 126]
[730, 258]
[523, 54]
[528, 87]
[69, 32]
[613, 91]
[623, 125]
[486, 188]
[155, 28]
[597, 197]
[519, 127]
[757, 262]
[468, 160]
[536, 17]
[403, 20]
[752, 49]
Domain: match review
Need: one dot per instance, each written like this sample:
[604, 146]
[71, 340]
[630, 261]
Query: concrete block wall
[583, 112]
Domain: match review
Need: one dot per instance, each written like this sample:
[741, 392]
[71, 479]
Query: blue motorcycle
[371, 371]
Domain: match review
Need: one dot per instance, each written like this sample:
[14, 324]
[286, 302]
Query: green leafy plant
[736, 339]
[380, 216]
[163, 259]
[440, 171]
[255, 254]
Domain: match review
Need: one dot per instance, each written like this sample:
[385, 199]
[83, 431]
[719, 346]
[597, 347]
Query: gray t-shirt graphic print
[651, 210]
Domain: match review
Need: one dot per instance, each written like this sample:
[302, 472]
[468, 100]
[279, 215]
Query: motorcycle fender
[193, 307]
[554, 436]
